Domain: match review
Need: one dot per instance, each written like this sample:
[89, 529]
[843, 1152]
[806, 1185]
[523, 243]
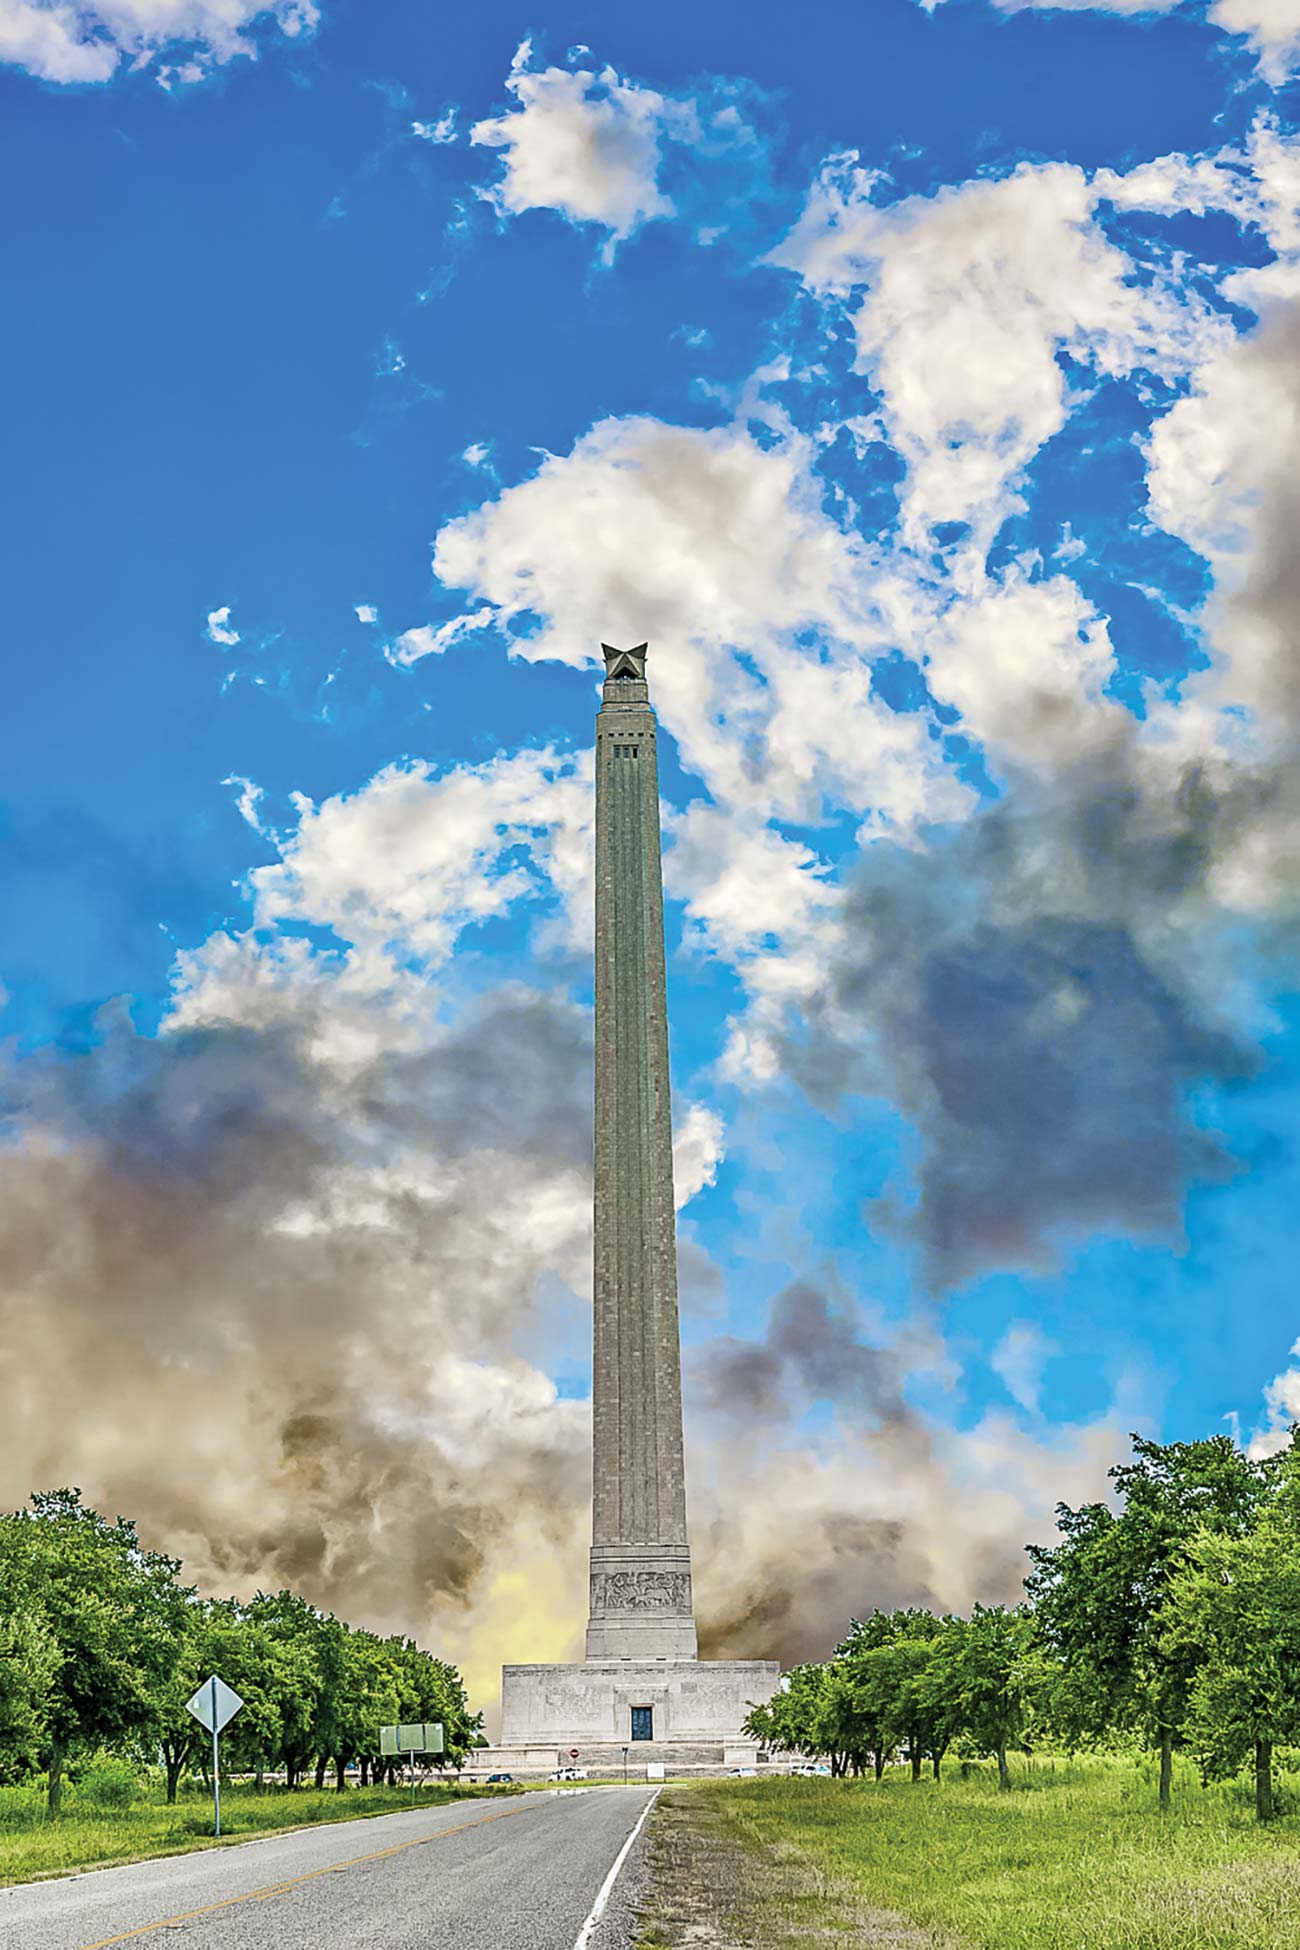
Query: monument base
[641, 1704]
[632, 1761]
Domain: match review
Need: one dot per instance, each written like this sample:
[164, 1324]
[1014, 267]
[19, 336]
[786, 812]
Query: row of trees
[1168, 1616]
[101, 1645]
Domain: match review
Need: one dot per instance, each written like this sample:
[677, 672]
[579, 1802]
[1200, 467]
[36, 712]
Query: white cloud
[582, 143]
[968, 299]
[591, 144]
[717, 548]
[1272, 28]
[1257, 184]
[85, 40]
[250, 798]
[425, 641]
[1018, 1361]
[764, 904]
[220, 629]
[1026, 662]
[699, 1146]
[1282, 1401]
[397, 871]
[441, 131]
[367, 613]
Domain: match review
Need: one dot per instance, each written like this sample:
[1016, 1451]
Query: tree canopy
[102, 1644]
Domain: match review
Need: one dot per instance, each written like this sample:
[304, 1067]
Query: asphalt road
[516, 1874]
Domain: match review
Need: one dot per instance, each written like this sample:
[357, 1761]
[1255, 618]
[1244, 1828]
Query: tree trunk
[54, 1796]
[173, 1762]
[1166, 1764]
[1264, 1780]
[1004, 1772]
[878, 1761]
[340, 1773]
[914, 1755]
[322, 1762]
[935, 1759]
[365, 1770]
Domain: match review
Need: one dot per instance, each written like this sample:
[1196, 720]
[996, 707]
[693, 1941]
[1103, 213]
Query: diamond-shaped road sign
[214, 1703]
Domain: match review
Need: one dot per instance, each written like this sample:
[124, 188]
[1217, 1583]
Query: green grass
[1075, 1857]
[32, 1846]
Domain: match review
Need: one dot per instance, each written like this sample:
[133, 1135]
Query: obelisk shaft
[640, 1559]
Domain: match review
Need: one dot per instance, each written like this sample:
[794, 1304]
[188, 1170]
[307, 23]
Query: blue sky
[922, 384]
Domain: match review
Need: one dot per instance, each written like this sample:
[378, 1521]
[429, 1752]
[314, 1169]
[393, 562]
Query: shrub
[21, 1806]
[108, 1781]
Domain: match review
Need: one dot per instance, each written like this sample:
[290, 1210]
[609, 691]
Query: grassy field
[1075, 1857]
[82, 1837]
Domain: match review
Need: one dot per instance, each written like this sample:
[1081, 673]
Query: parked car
[499, 1780]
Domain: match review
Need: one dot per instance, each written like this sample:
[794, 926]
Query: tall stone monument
[641, 1686]
[640, 1558]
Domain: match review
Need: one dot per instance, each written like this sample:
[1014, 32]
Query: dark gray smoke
[1043, 992]
[811, 1353]
[1017, 996]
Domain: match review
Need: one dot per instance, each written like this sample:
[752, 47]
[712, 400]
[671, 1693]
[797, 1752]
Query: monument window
[643, 1723]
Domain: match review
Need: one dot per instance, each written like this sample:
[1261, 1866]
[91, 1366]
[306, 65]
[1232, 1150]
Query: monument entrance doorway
[643, 1723]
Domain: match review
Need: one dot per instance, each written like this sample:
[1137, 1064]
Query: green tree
[1099, 1594]
[29, 1664]
[368, 1696]
[886, 1658]
[434, 1690]
[871, 1686]
[108, 1614]
[802, 1717]
[1233, 1619]
[981, 1678]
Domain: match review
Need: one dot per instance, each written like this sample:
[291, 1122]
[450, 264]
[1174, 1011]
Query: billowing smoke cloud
[799, 1532]
[1035, 997]
[280, 1310]
[812, 1353]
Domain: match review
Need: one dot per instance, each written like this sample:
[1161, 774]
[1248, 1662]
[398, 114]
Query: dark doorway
[643, 1723]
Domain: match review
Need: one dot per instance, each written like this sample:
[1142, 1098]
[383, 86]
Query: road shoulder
[697, 1885]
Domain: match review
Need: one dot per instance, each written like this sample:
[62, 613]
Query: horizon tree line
[101, 1645]
[1168, 1617]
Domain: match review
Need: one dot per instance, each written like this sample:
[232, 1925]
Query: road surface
[514, 1874]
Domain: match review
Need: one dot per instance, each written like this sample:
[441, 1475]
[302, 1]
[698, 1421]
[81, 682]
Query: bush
[22, 1806]
[108, 1781]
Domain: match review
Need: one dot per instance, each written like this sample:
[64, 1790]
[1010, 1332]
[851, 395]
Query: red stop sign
[573, 1753]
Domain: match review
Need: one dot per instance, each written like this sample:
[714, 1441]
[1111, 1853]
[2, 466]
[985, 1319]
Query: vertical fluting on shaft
[640, 1562]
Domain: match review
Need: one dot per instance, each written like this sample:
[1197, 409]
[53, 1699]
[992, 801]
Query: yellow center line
[292, 1882]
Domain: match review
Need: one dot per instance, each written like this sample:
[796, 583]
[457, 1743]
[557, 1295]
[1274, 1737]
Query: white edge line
[607, 1887]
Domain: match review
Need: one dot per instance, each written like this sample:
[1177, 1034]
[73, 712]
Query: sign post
[413, 1737]
[213, 1705]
